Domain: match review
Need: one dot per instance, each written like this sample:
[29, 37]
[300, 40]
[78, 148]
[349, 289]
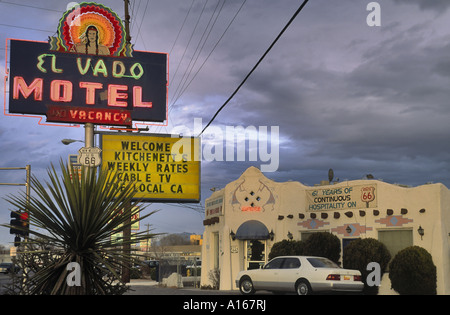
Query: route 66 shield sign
[368, 194]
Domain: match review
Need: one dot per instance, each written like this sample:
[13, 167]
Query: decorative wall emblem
[394, 220]
[253, 198]
[313, 224]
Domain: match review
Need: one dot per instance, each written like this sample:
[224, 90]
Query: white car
[300, 274]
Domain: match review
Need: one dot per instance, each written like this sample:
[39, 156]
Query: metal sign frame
[158, 200]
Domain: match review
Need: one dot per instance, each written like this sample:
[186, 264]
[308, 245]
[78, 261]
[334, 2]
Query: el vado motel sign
[88, 73]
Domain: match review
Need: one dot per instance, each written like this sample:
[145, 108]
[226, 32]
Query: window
[274, 264]
[396, 240]
[291, 263]
[318, 262]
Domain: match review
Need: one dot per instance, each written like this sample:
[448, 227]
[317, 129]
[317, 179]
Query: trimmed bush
[285, 248]
[359, 253]
[323, 244]
[412, 272]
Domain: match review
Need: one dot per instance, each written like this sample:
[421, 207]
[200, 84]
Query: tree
[323, 244]
[74, 220]
[173, 239]
[412, 271]
[286, 248]
[360, 252]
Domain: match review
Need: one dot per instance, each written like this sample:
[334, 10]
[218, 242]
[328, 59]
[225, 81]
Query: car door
[288, 274]
[268, 276]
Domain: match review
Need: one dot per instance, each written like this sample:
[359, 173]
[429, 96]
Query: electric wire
[143, 18]
[27, 28]
[210, 53]
[182, 27]
[190, 39]
[134, 10]
[256, 66]
[29, 6]
[198, 50]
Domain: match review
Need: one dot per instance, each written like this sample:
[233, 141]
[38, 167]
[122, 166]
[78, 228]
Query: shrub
[359, 253]
[214, 277]
[412, 271]
[323, 244]
[285, 247]
[77, 216]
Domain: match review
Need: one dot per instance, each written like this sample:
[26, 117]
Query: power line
[257, 64]
[29, 6]
[143, 18]
[182, 26]
[26, 28]
[210, 53]
[199, 48]
[189, 42]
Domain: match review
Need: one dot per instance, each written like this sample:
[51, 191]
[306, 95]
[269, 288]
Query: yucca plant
[76, 218]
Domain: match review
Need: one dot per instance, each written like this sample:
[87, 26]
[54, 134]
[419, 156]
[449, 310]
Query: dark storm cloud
[390, 105]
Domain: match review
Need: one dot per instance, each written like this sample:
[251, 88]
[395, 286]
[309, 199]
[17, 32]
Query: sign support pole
[89, 135]
[126, 277]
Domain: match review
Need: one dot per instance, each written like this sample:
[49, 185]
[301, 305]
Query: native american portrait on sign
[89, 43]
[91, 29]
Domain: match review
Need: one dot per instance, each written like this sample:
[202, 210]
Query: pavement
[150, 287]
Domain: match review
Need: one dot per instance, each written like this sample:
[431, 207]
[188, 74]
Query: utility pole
[127, 21]
[127, 231]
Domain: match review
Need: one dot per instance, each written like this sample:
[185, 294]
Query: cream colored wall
[289, 198]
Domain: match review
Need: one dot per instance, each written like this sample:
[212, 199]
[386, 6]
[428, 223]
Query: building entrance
[255, 254]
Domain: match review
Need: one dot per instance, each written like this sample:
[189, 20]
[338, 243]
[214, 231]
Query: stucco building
[244, 220]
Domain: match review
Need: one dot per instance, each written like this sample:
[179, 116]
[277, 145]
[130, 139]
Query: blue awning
[252, 230]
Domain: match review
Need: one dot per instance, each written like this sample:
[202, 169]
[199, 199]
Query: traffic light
[19, 224]
[24, 220]
[15, 223]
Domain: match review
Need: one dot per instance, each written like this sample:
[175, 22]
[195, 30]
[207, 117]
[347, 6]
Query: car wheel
[303, 288]
[246, 286]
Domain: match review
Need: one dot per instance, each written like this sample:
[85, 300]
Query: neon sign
[87, 74]
[91, 28]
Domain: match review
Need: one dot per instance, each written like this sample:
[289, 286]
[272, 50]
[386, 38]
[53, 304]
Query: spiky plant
[76, 217]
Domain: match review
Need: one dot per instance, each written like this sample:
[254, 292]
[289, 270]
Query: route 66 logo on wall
[368, 194]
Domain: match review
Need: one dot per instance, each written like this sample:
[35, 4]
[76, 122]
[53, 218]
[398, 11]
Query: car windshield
[319, 262]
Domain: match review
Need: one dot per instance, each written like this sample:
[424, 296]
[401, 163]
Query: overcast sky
[344, 95]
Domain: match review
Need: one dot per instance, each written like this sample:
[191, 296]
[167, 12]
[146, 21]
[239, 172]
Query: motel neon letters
[61, 91]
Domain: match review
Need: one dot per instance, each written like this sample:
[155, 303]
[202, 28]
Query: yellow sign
[163, 167]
